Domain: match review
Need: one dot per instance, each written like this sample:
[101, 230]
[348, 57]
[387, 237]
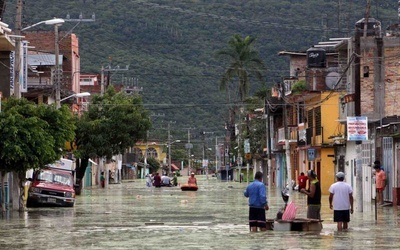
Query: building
[41, 61]
[307, 118]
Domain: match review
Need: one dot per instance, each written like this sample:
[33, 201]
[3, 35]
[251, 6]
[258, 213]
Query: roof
[291, 53]
[6, 44]
[44, 60]
[174, 167]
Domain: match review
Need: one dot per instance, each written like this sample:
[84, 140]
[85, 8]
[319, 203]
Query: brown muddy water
[132, 216]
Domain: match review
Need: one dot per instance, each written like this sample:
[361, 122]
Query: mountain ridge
[170, 45]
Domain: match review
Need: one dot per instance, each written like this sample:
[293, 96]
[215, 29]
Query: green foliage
[170, 45]
[32, 136]
[243, 63]
[154, 164]
[299, 87]
[113, 123]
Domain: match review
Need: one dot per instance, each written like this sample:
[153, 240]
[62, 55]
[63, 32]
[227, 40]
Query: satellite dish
[331, 79]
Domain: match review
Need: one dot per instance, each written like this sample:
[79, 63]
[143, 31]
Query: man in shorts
[341, 194]
[257, 194]
[313, 196]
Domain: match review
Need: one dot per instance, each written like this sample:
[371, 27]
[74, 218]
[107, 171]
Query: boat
[298, 224]
[291, 223]
[189, 187]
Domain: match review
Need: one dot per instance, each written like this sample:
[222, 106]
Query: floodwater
[131, 216]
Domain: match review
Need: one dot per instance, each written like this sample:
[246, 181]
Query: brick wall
[390, 84]
[44, 42]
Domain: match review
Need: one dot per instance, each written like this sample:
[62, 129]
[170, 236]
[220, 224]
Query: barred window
[310, 120]
[317, 113]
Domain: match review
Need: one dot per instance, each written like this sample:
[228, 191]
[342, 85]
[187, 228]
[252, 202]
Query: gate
[368, 151]
[387, 163]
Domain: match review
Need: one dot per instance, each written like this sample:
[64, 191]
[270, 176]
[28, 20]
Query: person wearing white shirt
[341, 195]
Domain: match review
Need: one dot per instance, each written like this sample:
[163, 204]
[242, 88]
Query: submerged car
[51, 187]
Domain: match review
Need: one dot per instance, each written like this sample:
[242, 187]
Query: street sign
[188, 145]
[246, 146]
[311, 152]
[248, 156]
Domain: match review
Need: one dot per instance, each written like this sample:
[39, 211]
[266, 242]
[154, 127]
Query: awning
[174, 167]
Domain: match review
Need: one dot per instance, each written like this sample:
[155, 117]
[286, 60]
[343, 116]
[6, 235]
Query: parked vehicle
[52, 186]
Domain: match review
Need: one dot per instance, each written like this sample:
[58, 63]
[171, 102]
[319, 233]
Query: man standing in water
[257, 194]
[341, 194]
[313, 196]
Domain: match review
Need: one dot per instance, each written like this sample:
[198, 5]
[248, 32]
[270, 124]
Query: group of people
[158, 181]
[340, 198]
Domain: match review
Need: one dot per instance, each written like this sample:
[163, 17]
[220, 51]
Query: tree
[32, 136]
[154, 164]
[243, 64]
[113, 123]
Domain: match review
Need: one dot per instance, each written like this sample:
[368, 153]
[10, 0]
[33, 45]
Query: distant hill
[169, 45]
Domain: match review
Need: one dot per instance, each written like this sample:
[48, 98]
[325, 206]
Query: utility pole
[57, 55]
[13, 185]
[357, 112]
[109, 69]
[102, 81]
[145, 155]
[189, 146]
[269, 150]
[169, 147]
[205, 161]
[287, 144]
[17, 59]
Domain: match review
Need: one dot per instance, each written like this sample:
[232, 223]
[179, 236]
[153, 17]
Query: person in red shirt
[302, 181]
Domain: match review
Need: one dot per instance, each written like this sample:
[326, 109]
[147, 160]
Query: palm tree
[244, 63]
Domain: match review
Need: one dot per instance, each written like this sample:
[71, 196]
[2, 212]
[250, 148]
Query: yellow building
[154, 150]
[315, 146]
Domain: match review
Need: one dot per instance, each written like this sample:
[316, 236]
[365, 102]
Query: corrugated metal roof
[44, 60]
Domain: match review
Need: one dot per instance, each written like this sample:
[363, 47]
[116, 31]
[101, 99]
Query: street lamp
[55, 22]
[83, 94]
[169, 153]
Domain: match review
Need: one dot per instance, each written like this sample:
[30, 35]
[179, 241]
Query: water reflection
[131, 216]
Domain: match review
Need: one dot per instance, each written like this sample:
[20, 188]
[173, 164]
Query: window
[152, 153]
[317, 114]
[300, 113]
[366, 71]
[310, 120]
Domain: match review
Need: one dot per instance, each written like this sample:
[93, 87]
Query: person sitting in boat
[165, 181]
[175, 180]
[192, 180]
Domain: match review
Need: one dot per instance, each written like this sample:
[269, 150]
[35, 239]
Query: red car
[52, 187]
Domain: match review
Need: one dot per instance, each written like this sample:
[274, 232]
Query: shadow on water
[131, 216]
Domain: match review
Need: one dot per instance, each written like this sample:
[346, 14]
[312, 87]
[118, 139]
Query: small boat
[298, 224]
[189, 187]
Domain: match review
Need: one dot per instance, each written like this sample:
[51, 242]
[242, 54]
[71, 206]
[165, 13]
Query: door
[368, 178]
[387, 163]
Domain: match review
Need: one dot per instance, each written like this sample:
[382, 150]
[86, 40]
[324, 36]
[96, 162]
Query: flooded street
[131, 216]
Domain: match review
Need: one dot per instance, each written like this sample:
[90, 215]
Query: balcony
[310, 136]
[292, 131]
